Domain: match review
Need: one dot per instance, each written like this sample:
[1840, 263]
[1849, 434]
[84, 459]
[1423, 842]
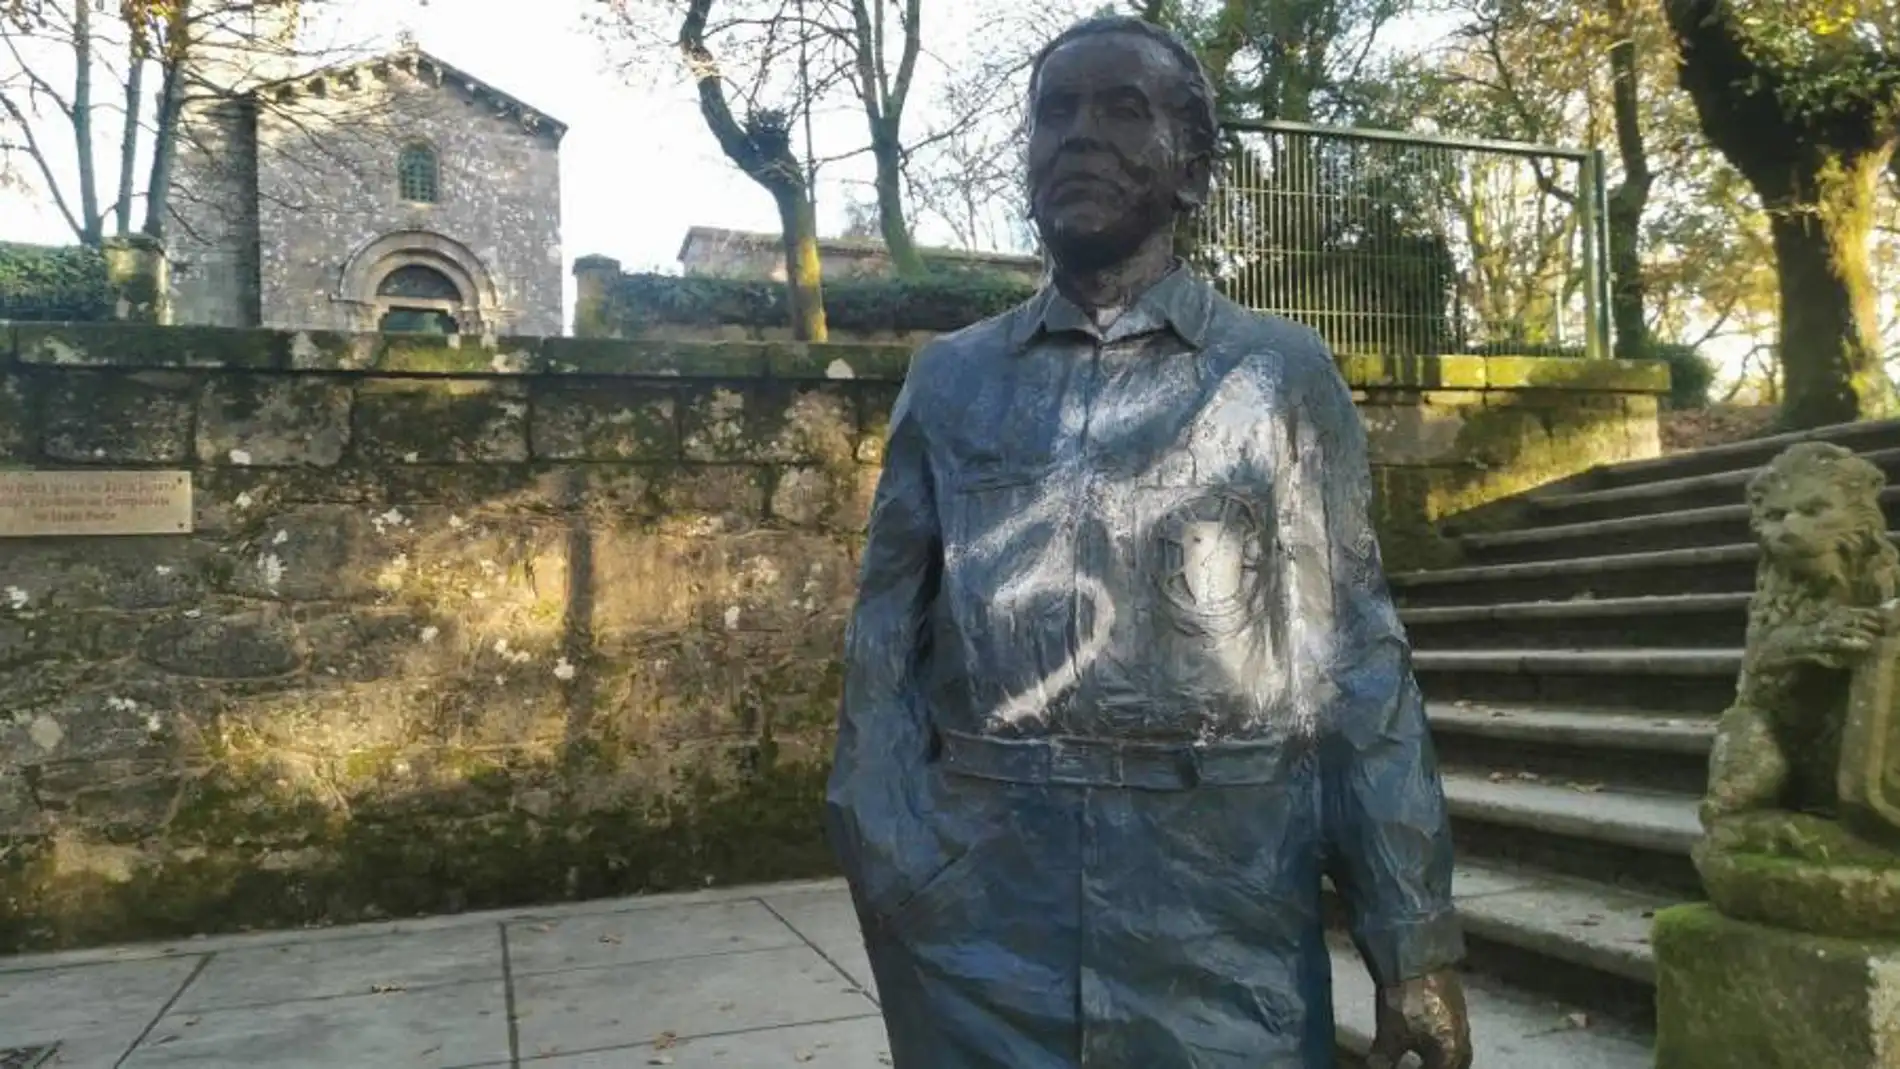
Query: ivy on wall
[949, 300]
[64, 284]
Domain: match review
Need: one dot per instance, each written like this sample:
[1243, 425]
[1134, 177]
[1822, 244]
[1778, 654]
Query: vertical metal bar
[1604, 320]
[1589, 177]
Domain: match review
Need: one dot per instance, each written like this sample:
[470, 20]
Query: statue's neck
[1116, 286]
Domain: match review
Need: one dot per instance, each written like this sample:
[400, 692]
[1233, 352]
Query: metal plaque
[40, 503]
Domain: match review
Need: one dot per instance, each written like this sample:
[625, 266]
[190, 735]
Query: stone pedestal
[1735, 995]
[140, 278]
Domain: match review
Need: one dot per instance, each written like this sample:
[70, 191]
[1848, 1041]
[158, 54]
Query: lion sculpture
[1827, 571]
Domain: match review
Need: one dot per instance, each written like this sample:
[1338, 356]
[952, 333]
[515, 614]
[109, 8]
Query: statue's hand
[1424, 1016]
[1843, 636]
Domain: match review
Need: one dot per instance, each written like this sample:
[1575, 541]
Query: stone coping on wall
[141, 346]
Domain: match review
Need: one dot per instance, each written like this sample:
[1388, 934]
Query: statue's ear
[1196, 176]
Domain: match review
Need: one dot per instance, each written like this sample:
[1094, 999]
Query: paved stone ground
[755, 978]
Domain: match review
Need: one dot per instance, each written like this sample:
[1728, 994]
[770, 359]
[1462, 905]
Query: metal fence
[1398, 244]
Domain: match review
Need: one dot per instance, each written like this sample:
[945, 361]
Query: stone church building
[397, 193]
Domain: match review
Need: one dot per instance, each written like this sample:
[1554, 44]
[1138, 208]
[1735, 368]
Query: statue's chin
[1806, 564]
[1091, 243]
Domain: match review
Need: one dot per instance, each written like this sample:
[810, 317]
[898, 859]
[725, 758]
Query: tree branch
[38, 156]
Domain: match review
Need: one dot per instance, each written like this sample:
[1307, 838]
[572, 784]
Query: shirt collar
[1181, 301]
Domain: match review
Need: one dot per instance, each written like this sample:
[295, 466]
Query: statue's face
[1106, 159]
[1806, 527]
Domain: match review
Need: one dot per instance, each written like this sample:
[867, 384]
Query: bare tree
[965, 172]
[68, 56]
[883, 92]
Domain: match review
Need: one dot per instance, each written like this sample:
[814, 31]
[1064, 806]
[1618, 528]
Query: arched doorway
[417, 281]
[418, 299]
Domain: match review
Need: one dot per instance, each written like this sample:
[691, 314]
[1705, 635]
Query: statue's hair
[1194, 107]
[1872, 564]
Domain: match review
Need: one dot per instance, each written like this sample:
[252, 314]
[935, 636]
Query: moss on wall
[1732, 995]
[242, 855]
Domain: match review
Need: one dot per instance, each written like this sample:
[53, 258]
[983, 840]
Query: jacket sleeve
[1388, 836]
[875, 790]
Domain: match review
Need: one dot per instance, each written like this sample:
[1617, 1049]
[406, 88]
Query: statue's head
[1122, 132]
[1815, 511]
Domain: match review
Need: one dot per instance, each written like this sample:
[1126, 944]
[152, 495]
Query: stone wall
[456, 627]
[1449, 435]
[466, 625]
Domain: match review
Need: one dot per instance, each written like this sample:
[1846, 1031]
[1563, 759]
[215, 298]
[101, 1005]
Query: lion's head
[1815, 512]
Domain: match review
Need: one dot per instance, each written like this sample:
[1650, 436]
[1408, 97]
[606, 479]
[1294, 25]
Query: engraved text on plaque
[39, 503]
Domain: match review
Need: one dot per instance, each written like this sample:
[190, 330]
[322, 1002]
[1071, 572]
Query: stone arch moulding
[480, 311]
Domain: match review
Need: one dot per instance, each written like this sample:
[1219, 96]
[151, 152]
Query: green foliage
[39, 282]
[946, 300]
[1690, 374]
[1824, 56]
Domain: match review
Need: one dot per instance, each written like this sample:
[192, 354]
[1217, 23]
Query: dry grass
[1716, 425]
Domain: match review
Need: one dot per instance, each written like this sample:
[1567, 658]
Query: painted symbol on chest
[1207, 562]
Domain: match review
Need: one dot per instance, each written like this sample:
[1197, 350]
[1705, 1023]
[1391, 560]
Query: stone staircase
[1574, 668]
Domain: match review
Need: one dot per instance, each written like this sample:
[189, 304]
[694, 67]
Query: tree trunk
[129, 138]
[94, 231]
[884, 96]
[1830, 326]
[898, 244]
[1815, 171]
[174, 52]
[1627, 202]
[158, 187]
[763, 150]
[804, 276]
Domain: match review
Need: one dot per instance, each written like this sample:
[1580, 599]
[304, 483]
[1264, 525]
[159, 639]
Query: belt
[1087, 762]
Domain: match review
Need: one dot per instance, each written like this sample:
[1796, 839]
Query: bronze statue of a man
[1124, 678]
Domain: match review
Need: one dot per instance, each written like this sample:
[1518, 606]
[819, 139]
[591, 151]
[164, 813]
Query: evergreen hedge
[58, 283]
[946, 300]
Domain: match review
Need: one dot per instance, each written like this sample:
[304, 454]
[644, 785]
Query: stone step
[1679, 529]
[1509, 1028]
[1615, 749]
[1595, 730]
[1706, 570]
[1581, 922]
[1672, 681]
[1566, 504]
[1660, 621]
[1867, 436]
[1634, 839]
[1581, 942]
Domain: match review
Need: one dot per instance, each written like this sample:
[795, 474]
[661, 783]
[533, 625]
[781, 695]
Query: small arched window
[416, 174]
